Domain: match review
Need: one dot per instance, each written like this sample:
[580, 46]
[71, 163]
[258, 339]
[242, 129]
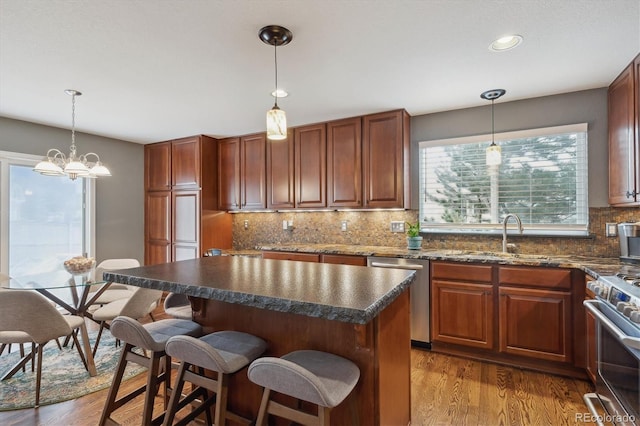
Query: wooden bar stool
[318, 377]
[151, 338]
[224, 352]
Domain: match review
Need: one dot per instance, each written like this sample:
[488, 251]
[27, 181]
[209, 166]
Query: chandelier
[275, 36]
[73, 165]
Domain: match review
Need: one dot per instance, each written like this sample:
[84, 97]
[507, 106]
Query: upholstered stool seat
[224, 352]
[178, 306]
[151, 337]
[318, 377]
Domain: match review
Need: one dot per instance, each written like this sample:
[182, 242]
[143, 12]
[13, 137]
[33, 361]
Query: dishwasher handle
[410, 266]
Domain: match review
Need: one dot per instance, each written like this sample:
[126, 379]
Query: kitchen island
[356, 312]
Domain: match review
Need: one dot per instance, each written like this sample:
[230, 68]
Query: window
[44, 219]
[542, 179]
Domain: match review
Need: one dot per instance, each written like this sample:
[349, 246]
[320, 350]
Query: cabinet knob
[631, 194]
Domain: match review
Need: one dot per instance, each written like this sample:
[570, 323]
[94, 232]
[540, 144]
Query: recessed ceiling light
[281, 93]
[505, 43]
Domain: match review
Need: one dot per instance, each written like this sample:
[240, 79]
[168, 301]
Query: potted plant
[414, 240]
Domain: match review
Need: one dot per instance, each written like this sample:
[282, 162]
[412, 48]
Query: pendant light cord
[275, 57]
[73, 126]
[493, 132]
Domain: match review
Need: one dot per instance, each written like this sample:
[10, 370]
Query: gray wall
[119, 198]
[589, 106]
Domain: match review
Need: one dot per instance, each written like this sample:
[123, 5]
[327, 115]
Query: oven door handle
[631, 342]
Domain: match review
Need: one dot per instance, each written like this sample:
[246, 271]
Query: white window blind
[542, 179]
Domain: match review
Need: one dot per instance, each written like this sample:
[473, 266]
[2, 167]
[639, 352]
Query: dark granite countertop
[353, 294]
[594, 266]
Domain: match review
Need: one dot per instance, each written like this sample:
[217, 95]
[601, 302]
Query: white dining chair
[115, 291]
[30, 314]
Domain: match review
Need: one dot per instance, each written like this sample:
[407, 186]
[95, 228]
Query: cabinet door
[157, 226]
[253, 175]
[186, 216]
[536, 323]
[344, 163]
[462, 313]
[185, 163]
[622, 140]
[280, 174]
[385, 149]
[157, 166]
[311, 166]
[229, 174]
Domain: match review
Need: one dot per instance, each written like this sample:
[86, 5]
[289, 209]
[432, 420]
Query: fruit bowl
[80, 265]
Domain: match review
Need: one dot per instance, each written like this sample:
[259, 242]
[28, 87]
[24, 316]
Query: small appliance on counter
[629, 237]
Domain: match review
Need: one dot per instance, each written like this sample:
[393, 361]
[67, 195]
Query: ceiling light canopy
[275, 36]
[494, 153]
[73, 166]
[506, 43]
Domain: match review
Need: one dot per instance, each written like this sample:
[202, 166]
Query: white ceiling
[153, 70]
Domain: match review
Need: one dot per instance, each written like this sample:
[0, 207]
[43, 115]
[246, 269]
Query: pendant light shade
[275, 36]
[276, 124]
[73, 166]
[494, 153]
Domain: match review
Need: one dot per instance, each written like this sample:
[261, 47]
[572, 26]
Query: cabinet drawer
[536, 277]
[343, 259]
[283, 255]
[461, 271]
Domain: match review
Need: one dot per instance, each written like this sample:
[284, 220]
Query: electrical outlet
[611, 230]
[343, 225]
[397, 226]
[246, 224]
[285, 227]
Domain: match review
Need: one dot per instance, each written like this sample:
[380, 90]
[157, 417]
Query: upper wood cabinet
[280, 173]
[311, 166]
[229, 173]
[358, 162]
[386, 160]
[344, 162]
[181, 200]
[253, 174]
[624, 121]
[157, 166]
[242, 172]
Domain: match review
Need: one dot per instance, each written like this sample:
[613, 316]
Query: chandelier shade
[275, 36]
[73, 165]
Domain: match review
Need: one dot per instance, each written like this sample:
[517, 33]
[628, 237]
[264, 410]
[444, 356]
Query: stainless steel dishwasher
[420, 330]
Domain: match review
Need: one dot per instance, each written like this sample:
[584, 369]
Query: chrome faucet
[504, 229]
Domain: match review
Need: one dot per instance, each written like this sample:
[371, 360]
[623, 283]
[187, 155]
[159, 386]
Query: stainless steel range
[617, 310]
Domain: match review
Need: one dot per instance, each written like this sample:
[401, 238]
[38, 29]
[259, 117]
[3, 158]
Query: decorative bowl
[79, 265]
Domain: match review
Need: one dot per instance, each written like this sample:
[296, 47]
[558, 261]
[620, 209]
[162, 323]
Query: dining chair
[30, 314]
[115, 291]
[139, 305]
[178, 306]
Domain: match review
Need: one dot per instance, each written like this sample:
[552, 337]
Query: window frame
[7, 159]
[496, 228]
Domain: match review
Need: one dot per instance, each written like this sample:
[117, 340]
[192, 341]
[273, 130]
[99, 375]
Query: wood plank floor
[446, 390]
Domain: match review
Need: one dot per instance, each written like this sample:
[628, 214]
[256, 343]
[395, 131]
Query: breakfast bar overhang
[355, 312]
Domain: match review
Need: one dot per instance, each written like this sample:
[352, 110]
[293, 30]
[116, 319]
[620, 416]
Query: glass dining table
[74, 293]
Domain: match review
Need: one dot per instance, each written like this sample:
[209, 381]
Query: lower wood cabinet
[536, 323]
[520, 315]
[463, 313]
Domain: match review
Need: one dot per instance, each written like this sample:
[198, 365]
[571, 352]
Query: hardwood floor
[445, 390]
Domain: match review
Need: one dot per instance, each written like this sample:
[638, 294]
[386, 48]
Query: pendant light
[494, 155]
[275, 36]
[73, 166]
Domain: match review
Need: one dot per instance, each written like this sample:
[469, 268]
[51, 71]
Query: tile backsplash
[374, 228]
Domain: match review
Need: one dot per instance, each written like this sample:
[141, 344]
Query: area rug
[63, 374]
